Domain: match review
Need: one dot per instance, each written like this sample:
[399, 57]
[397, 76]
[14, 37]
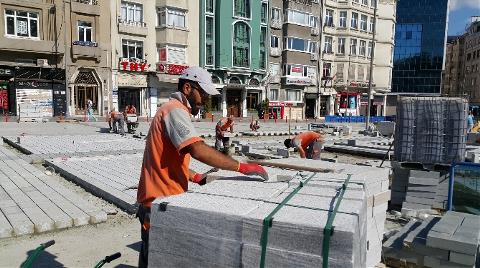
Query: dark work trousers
[118, 124]
[143, 215]
[314, 150]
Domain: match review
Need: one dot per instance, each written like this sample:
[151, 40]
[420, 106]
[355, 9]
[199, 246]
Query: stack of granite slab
[450, 241]
[418, 190]
[220, 224]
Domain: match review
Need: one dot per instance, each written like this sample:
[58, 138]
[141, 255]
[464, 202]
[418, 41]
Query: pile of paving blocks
[221, 223]
[431, 130]
[450, 241]
[473, 155]
[417, 190]
[385, 128]
[32, 202]
[368, 148]
[78, 145]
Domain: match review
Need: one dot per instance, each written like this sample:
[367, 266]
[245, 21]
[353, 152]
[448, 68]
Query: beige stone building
[454, 67]
[32, 72]
[152, 43]
[88, 61]
[347, 45]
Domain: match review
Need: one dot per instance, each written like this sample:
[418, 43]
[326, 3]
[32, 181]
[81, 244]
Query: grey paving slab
[423, 181]
[463, 259]
[162, 259]
[437, 263]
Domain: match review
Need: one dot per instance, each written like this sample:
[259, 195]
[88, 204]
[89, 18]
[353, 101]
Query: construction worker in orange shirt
[309, 144]
[222, 126]
[170, 142]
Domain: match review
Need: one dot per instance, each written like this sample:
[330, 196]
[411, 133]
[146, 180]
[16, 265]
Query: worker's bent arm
[301, 152]
[208, 155]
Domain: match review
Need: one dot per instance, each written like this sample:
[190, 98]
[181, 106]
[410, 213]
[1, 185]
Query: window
[341, 45]
[356, 1]
[171, 18]
[329, 18]
[209, 40]
[314, 22]
[354, 21]
[313, 47]
[363, 22]
[273, 94]
[274, 41]
[242, 8]
[343, 19]
[327, 70]
[131, 12]
[274, 69]
[21, 23]
[241, 45]
[373, 3]
[353, 47]
[84, 31]
[370, 47]
[363, 47]
[263, 53]
[299, 70]
[176, 54]
[365, 2]
[276, 14]
[209, 6]
[298, 17]
[327, 46]
[294, 95]
[264, 12]
[297, 44]
[132, 49]
[370, 27]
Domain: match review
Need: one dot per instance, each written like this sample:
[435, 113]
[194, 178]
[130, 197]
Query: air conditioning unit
[42, 62]
[314, 56]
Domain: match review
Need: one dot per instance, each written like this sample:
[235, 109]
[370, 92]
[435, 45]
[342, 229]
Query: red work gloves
[199, 178]
[252, 169]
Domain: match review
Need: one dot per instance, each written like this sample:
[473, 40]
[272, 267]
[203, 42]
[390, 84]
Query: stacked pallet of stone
[422, 188]
[430, 130]
[399, 184]
[221, 225]
[368, 185]
[450, 241]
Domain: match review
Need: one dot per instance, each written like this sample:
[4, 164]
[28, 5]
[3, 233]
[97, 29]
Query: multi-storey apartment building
[453, 75]
[347, 46]
[293, 59]
[233, 47]
[32, 53]
[88, 71]
[472, 64]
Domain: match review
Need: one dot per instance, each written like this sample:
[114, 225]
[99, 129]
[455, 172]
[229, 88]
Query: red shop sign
[174, 69]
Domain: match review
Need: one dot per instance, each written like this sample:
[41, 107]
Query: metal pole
[374, 29]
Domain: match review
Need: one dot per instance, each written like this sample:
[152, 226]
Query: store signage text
[360, 84]
[175, 69]
[133, 66]
[5, 72]
[298, 81]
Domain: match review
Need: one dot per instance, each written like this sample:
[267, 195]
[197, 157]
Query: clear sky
[460, 13]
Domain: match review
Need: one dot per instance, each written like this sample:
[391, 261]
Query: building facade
[420, 40]
[461, 76]
[347, 50]
[233, 47]
[88, 68]
[32, 70]
[292, 83]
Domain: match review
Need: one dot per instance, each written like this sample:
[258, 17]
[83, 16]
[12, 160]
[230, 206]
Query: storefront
[7, 93]
[86, 87]
[377, 107]
[132, 87]
[347, 104]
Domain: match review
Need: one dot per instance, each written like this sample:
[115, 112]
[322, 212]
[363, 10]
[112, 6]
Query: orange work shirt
[165, 169]
[304, 139]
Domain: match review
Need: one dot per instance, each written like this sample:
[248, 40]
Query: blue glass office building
[420, 37]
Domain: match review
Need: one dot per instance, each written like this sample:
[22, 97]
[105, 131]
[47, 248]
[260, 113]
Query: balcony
[132, 27]
[81, 49]
[86, 7]
[275, 51]
[29, 45]
[169, 35]
[181, 4]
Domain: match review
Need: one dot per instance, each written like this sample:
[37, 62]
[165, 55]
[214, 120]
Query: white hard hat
[202, 77]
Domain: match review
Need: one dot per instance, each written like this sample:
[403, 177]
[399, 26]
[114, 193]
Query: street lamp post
[374, 30]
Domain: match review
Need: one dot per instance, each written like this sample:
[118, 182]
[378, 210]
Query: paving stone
[423, 181]
[424, 174]
[437, 263]
[162, 259]
[461, 258]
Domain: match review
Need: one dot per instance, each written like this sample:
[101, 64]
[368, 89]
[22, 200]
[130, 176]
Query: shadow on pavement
[45, 259]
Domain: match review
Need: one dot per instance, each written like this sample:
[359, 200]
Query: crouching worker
[309, 144]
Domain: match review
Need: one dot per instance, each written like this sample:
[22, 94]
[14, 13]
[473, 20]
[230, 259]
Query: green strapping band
[328, 229]
[267, 222]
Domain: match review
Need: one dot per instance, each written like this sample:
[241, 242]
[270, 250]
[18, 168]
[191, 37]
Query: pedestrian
[254, 126]
[309, 144]
[171, 141]
[222, 126]
[117, 122]
[90, 110]
[470, 121]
